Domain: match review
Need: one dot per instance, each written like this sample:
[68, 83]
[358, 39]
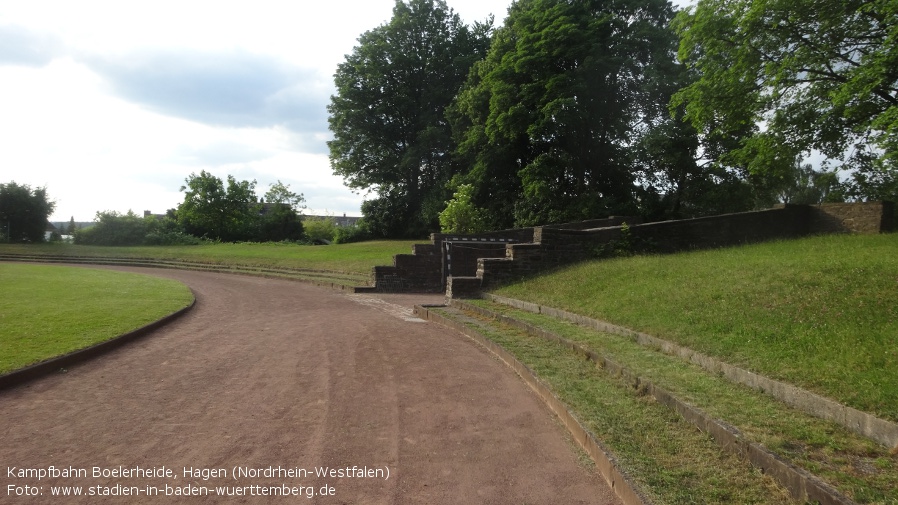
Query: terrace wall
[461, 265]
[429, 265]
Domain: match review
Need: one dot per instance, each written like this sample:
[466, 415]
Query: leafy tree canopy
[461, 215]
[785, 77]
[549, 119]
[387, 117]
[217, 212]
[24, 212]
[280, 194]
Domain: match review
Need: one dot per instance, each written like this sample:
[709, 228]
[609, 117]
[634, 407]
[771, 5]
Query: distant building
[338, 220]
[49, 231]
[149, 214]
[346, 220]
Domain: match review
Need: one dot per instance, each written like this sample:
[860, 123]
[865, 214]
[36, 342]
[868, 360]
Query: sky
[111, 105]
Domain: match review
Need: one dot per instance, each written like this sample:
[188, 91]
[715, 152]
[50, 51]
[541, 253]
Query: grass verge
[818, 312]
[355, 258]
[47, 311]
[671, 461]
[858, 467]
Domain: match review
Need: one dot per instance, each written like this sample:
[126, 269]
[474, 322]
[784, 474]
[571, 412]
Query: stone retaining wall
[529, 250]
[555, 247]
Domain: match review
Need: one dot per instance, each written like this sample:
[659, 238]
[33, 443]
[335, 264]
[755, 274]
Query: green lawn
[670, 460]
[858, 467]
[356, 258]
[819, 312]
[47, 311]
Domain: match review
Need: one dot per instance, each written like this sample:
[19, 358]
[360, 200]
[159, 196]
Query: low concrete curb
[880, 430]
[50, 366]
[621, 484]
[802, 485]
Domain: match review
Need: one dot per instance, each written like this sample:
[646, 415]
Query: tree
[786, 77]
[320, 229]
[280, 219]
[24, 212]
[460, 214]
[213, 211]
[70, 228]
[805, 185]
[390, 131]
[550, 117]
[279, 194]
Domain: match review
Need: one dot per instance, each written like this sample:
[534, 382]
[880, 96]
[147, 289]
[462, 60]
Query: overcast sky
[112, 104]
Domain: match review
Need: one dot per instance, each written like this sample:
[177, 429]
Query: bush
[347, 234]
[172, 237]
[319, 229]
[113, 229]
[461, 215]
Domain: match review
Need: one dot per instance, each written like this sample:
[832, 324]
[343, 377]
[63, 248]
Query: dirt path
[283, 378]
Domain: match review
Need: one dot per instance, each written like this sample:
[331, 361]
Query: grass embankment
[47, 311]
[626, 421]
[820, 312]
[356, 258]
[669, 460]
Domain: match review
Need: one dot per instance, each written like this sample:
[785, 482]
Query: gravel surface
[272, 387]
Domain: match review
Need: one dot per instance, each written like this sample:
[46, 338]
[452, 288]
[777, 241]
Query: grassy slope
[47, 311]
[353, 258]
[856, 466]
[669, 459]
[820, 312]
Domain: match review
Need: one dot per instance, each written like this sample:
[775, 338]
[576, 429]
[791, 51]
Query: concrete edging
[802, 485]
[47, 367]
[862, 423]
[620, 483]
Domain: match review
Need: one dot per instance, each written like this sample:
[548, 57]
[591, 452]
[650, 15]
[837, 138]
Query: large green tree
[547, 124]
[24, 212]
[387, 116]
[786, 77]
[212, 210]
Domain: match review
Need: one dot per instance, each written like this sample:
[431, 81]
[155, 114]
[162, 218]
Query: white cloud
[112, 104]
[21, 46]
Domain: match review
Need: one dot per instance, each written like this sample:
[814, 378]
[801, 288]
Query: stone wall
[427, 268]
[416, 272]
[724, 230]
[555, 247]
[468, 263]
[596, 223]
[460, 258]
[866, 217]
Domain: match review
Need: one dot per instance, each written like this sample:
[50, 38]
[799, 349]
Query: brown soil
[275, 374]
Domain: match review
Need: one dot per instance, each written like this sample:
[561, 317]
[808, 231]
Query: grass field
[46, 311]
[858, 467]
[357, 258]
[820, 313]
[671, 461]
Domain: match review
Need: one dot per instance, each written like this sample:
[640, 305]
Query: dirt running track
[276, 374]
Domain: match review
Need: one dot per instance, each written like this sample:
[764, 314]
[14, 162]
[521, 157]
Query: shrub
[347, 234]
[461, 215]
[113, 229]
[172, 237]
[319, 229]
